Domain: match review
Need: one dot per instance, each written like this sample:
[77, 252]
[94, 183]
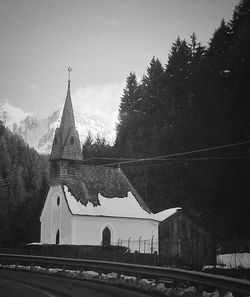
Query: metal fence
[140, 245]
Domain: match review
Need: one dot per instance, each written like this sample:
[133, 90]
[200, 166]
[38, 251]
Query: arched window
[106, 237]
[57, 237]
[71, 140]
[58, 201]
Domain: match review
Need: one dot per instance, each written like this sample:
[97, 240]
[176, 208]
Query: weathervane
[69, 70]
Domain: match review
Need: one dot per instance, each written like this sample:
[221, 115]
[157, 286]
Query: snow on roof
[90, 181]
[163, 215]
[115, 207]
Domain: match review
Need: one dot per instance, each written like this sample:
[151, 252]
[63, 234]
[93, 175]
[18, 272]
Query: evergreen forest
[183, 139]
[23, 189]
[198, 101]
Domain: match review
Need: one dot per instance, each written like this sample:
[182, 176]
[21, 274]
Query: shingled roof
[108, 182]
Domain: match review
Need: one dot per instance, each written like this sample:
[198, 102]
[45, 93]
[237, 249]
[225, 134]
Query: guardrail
[139, 271]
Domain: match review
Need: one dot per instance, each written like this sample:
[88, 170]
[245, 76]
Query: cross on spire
[69, 70]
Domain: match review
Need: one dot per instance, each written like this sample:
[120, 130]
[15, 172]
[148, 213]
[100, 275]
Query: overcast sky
[102, 40]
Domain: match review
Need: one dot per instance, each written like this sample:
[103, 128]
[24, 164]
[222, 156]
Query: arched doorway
[57, 237]
[106, 237]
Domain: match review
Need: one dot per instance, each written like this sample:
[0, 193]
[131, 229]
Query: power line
[179, 154]
[134, 159]
[178, 161]
[104, 158]
[225, 156]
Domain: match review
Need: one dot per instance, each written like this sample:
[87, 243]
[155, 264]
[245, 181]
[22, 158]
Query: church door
[57, 237]
[106, 237]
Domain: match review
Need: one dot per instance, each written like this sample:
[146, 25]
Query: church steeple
[66, 144]
[67, 120]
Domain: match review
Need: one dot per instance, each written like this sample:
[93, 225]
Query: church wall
[128, 232]
[45, 219]
[56, 217]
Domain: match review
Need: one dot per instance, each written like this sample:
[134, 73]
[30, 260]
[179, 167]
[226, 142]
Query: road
[29, 284]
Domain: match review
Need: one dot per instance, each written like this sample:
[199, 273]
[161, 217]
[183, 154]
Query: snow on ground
[147, 285]
[115, 207]
[237, 260]
[111, 275]
[37, 268]
[212, 294]
[55, 270]
[90, 274]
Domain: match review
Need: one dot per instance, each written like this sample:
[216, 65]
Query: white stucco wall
[56, 217]
[135, 233]
[130, 232]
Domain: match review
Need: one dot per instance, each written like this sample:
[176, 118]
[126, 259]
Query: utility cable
[179, 154]
[178, 161]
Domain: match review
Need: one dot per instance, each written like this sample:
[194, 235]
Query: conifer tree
[129, 114]
[129, 99]
[178, 80]
[152, 103]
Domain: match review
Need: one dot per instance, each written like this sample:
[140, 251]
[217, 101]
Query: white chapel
[93, 205]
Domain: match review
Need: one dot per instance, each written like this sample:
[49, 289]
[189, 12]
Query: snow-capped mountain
[39, 133]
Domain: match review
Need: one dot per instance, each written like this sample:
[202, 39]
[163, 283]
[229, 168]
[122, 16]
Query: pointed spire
[68, 90]
[68, 119]
[66, 143]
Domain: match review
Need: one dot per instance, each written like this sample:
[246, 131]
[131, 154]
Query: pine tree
[129, 114]
[130, 97]
[197, 55]
[178, 80]
[153, 101]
